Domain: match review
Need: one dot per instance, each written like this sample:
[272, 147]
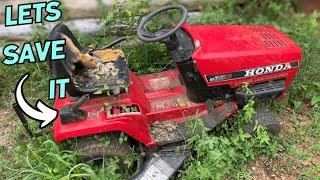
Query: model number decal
[253, 72]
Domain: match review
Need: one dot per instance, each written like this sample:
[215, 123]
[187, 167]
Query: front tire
[265, 118]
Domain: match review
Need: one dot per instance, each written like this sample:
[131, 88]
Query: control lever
[72, 112]
[110, 45]
[22, 118]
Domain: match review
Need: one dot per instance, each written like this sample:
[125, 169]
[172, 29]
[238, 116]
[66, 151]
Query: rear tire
[266, 118]
[95, 150]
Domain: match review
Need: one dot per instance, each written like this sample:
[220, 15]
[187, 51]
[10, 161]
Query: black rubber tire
[266, 118]
[95, 151]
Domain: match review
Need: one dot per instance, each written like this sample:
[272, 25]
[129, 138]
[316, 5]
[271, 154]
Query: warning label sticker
[158, 170]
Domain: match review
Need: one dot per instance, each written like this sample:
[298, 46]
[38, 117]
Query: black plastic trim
[262, 91]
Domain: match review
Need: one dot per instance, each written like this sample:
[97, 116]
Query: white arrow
[43, 113]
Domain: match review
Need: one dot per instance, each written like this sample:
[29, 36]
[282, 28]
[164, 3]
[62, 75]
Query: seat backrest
[65, 67]
[111, 77]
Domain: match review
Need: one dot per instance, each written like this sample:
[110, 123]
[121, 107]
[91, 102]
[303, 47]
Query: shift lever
[72, 112]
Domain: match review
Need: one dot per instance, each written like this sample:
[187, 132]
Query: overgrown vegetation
[226, 151]
[223, 153]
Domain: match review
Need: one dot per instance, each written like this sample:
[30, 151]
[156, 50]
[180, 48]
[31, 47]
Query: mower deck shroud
[156, 98]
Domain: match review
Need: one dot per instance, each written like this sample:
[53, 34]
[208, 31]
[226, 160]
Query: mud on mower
[212, 63]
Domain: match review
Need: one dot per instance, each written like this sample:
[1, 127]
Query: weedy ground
[226, 153]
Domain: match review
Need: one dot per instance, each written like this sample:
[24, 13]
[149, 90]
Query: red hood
[235, 40]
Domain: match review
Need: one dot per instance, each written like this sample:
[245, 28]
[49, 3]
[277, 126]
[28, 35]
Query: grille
[268, 86]
[269, 38]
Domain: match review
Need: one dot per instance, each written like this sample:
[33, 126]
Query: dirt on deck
[163, 132]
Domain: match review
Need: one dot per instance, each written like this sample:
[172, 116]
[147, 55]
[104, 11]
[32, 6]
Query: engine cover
[234, 54]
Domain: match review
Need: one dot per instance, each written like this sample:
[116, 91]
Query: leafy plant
[314, 94]
[222, 152]
[123, 19]
[123, 138]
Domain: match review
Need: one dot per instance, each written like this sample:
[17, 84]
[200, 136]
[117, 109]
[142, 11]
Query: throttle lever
[112, 44]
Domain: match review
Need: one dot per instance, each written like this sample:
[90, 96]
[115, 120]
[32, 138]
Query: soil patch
[8, 128]
[288, 166]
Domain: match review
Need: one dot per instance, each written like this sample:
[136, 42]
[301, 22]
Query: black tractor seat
[106, 73]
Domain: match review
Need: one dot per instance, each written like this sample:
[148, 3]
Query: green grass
[3, 43]
[226, 152]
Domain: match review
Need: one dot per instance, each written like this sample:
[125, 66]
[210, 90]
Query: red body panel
[231, 48]
[219, 50]
[159, 97]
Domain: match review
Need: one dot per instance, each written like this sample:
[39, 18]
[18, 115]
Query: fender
[135, 126]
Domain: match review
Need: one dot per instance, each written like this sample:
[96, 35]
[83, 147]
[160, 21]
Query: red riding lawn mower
[213, 62]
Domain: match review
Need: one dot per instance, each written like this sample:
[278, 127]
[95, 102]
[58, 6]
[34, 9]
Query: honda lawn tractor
[213, 62]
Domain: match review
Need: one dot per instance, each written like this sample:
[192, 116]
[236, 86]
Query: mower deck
[140, 113]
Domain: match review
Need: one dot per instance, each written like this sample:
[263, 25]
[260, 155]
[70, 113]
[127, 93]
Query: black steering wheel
[163, 33]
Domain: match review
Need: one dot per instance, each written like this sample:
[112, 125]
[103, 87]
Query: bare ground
[8, 128]
[288, 166]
